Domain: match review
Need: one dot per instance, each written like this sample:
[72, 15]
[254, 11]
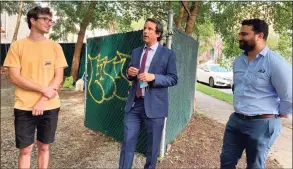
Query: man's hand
[49, 92]
[146, 77]
[132, 71]
[38, 109]
[283, 115]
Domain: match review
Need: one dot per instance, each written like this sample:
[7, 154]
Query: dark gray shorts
[25, 125]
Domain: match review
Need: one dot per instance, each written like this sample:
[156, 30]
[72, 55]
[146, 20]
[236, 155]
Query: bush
[68, 82]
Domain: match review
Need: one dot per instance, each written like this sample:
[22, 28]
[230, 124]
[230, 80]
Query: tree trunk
[78, 46]
[191, 19]
[181, 15]
[170, 5]
[17, 21]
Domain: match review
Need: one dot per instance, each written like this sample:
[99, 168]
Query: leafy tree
[196, 18]
[227, 18]
[190, 14]
[19, 13]
[12, 7]
[207, 36]
[16, 7]
[284, 46]
[77, 17]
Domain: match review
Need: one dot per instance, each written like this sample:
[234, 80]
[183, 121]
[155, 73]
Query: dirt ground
[198, 146]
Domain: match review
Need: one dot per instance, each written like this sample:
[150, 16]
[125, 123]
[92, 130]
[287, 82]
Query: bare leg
[24, 158]
[43, 155]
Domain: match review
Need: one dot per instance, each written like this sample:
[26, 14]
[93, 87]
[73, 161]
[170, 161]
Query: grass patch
[214, 93]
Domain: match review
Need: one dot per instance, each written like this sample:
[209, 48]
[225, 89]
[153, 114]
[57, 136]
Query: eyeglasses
[47, 20]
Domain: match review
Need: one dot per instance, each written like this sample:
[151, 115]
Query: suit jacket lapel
[155, 58]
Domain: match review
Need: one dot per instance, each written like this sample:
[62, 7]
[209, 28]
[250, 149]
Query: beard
[244, 45]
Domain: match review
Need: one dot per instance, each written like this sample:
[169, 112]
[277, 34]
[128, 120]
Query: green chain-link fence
[181, 98]
[108, 88]
[68, 49]
[4, 50]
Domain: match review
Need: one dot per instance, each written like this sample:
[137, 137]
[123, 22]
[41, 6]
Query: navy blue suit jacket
[163, 65]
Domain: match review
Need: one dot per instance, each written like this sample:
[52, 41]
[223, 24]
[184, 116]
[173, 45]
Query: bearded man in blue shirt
[262, 95]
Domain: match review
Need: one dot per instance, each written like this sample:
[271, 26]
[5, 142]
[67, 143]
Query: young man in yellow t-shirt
[36, 67]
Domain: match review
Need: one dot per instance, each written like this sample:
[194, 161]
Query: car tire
[211, 82]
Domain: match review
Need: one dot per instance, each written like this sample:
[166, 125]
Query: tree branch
[186, 9]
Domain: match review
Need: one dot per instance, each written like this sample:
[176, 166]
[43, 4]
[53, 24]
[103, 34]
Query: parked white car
[214, 75]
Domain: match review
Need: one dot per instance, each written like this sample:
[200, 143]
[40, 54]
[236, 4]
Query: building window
[1, 28]
[212, 54]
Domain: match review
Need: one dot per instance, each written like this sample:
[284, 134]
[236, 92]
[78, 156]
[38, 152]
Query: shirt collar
[263, 52]
[153, 47]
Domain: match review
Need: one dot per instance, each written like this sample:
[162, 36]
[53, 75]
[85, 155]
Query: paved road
[220, 111]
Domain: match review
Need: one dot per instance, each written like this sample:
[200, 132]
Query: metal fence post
[168, 44]
[85, 76]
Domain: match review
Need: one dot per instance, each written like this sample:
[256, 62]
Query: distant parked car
[214, 75]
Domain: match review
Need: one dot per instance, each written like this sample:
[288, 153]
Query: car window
[217, 68]
[206, 68]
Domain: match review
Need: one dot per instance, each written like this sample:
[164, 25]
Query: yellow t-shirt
[37, 62]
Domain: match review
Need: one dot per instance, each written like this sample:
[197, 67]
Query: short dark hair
[35, 12]
[159, 27]
[258, 26]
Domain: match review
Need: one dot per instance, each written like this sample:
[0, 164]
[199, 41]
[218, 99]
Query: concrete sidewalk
[220, 111]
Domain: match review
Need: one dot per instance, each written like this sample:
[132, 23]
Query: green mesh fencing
[181, 96]
[108, 88]
[68, 49]
[4, 50]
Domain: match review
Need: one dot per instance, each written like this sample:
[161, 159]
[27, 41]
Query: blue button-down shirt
[264, 85]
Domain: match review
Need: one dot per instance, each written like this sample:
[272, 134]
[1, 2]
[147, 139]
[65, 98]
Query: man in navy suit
[152, 70]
